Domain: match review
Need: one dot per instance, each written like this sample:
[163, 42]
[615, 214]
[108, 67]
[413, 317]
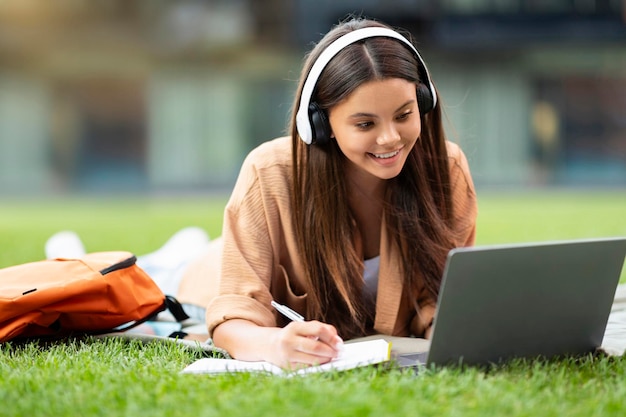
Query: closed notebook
[353, 356]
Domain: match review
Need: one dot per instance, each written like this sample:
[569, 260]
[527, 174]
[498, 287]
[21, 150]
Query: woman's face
[376, 127]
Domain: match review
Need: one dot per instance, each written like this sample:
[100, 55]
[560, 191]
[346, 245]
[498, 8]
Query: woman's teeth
[386, 155]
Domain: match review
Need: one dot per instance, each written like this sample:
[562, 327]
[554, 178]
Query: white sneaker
[166, 265]
[180, 248]
[65, 244]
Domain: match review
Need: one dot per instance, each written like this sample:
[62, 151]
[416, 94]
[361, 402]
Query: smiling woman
[348, 220]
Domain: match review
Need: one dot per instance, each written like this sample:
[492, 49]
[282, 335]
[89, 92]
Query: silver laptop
[526, 300]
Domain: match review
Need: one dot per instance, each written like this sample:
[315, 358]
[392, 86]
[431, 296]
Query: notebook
[354, 355]
[523, 300]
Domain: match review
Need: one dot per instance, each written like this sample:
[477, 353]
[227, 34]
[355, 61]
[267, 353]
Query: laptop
[523, 301]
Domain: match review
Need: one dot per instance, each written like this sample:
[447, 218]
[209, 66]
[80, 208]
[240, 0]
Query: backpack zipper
[126, 263]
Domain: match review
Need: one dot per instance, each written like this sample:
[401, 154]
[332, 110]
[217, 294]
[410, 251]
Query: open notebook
[354, 355]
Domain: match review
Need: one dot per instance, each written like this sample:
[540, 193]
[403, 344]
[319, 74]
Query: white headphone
[305, 121]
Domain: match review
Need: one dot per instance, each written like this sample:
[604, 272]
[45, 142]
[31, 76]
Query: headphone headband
[303, 124]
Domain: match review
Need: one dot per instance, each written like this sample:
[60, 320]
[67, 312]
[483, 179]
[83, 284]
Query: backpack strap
[170, 303]
[176, 308]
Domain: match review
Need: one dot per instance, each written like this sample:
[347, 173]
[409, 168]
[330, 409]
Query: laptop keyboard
[411, 359]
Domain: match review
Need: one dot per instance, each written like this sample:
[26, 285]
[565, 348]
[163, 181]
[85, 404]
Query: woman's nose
[388, 136]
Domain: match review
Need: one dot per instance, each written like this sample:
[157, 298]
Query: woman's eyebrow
[410, 101]
[372, 115]
[361, 114]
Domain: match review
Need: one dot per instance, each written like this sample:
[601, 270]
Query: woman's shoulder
[267, 167]
[275, 152]
[454, 150]
[457, 157]
[463, 195]
[459, 167]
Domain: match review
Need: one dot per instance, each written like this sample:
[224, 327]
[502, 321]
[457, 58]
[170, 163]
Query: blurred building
[155, 95]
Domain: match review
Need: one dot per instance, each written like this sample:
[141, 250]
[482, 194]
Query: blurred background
[157, 96]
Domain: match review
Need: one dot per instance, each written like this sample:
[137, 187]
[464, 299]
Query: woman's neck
[366, 202]
[363, 185]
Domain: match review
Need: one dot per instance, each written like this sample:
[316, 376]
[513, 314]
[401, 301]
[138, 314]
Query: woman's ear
[331, 134]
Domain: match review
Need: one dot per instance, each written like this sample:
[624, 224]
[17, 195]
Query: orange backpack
[99, 293]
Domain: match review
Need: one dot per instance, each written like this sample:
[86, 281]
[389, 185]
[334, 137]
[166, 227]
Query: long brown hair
[418, 204]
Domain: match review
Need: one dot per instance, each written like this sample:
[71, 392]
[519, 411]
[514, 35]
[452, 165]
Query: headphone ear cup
[320, 127]
[424, 99]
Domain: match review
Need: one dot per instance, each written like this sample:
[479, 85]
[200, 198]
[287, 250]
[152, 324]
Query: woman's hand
[301, 344]
[297, 345]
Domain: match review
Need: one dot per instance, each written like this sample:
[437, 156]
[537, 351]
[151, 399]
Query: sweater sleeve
[464, 202]
[247, 259]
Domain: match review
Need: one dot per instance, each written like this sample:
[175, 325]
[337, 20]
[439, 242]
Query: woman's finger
[309, 343]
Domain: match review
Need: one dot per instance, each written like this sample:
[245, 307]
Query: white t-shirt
[370, 276]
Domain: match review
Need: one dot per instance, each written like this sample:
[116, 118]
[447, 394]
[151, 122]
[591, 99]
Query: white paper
[353, 356]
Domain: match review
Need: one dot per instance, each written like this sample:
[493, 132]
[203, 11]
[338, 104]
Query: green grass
[140, 225]
[116, 377]
[556, 215]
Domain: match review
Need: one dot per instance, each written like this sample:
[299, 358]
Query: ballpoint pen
[292, 315]
[287, 312]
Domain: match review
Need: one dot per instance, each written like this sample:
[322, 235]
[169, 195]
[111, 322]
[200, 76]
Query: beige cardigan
[260, 259]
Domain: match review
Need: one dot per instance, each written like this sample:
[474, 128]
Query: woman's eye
[364, 125]
[404, 116]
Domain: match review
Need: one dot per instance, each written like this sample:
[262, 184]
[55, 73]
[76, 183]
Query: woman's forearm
[244, 340]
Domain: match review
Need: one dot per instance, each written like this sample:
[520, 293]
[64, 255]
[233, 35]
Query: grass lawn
[114, 377]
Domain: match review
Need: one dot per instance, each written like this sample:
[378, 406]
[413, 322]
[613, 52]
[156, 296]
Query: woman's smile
[388, 157]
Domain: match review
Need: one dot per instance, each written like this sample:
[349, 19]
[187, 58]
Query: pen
[287, 312]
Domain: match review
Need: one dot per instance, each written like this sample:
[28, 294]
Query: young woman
[348, 220]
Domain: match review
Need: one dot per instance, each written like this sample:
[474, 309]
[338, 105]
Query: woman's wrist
[245, 340]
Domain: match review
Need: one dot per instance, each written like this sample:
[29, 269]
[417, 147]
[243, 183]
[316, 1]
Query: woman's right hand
[297, 345]
[302, 344]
